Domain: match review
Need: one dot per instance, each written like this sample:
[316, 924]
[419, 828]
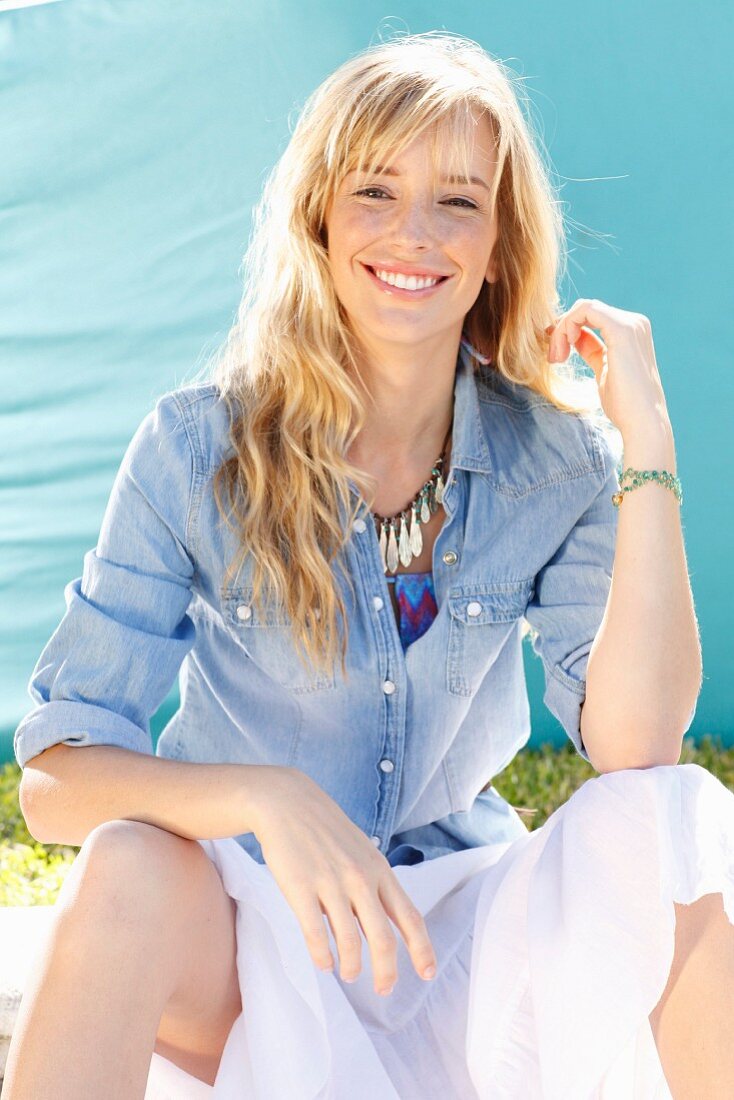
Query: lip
[402, 292]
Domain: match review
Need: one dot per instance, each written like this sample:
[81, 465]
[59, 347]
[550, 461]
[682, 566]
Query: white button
[359, 525]
[244, 611]
[377, 841]
[387, 765]
[474, 608]
[378, 603]
[450, 557]
[388, 687]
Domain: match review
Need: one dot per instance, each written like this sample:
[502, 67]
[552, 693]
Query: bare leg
[692, 1021]
[143, 944]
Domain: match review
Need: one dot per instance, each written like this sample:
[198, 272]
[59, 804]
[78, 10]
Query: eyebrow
[386, 170]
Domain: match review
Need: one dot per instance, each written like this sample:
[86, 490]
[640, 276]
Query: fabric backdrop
[134, 141]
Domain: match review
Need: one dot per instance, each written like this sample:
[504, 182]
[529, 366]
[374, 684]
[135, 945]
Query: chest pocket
[266, 636]
[482, 617]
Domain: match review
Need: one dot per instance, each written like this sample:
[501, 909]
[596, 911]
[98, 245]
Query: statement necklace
[397, 543]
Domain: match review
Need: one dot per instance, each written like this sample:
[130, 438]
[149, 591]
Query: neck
[410, 396]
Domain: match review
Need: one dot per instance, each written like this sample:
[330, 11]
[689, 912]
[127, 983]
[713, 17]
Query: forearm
[67, 791]
[645, 667]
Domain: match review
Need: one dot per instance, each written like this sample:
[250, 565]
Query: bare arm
[66, 791]
[645, 666]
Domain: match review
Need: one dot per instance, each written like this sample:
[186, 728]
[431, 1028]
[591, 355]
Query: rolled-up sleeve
[115, 654]
[570, 597]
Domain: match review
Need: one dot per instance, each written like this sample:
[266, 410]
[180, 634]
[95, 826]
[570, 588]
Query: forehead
[456, 147]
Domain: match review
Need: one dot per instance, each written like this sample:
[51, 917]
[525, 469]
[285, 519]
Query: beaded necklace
[397, 543]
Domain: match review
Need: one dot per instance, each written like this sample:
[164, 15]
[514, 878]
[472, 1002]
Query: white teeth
[405, 282]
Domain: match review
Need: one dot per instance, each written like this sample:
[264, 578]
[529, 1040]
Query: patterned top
[416, 600]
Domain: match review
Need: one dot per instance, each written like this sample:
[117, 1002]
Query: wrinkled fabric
[409, 742]
[552, 951]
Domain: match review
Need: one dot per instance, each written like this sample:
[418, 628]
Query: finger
[346, 933]
[381, 941]
[409, 920]
[311, 919]
[574, 329]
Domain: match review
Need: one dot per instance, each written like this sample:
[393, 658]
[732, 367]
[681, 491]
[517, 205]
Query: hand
[623, 361]
[325, 864]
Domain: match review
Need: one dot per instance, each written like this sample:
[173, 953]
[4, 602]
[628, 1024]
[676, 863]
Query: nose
[411, 227]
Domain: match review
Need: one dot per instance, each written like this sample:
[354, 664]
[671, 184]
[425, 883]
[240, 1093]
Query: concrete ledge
[23, 931]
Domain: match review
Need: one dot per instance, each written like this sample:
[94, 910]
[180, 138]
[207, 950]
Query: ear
[491, 275]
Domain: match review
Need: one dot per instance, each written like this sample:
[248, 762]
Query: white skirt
[552, 951]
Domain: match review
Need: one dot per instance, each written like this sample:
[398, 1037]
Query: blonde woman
[339, 538]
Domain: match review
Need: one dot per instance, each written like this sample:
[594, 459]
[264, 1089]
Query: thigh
[174, 884]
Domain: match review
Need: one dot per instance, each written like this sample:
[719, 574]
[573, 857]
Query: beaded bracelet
[639, 477]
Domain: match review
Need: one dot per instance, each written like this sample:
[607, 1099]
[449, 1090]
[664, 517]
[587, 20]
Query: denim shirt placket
[392, 663]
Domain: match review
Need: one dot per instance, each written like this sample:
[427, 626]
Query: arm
[86, 748]
[645, 668]
[67, 791]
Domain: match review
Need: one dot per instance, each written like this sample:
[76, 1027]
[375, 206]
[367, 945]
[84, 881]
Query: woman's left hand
[623, 361]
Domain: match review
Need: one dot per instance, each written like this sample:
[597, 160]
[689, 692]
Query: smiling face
[409, 250]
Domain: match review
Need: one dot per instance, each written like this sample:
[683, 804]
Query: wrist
[256, 790]
[652, 449]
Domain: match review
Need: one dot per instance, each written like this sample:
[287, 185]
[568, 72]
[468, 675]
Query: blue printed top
[407, 743]
[416, 602]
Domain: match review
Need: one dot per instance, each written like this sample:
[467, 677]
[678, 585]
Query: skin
[409, 347]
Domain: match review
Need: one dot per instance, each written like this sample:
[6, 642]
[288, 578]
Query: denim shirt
[408, 746]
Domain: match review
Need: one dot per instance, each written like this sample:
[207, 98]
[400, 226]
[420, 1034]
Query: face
[435, 237]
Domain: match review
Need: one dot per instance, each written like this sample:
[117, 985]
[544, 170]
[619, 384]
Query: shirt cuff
[564, 696]
[73, 723]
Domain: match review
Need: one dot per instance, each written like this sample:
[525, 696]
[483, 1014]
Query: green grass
[536, 783]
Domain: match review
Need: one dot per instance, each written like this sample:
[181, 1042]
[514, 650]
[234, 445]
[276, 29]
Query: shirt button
[388, 687]
[244, 611]
[451, 557]
[359, 525]
[386, 765]
[474, 608]
[376, 840]
[378, 603]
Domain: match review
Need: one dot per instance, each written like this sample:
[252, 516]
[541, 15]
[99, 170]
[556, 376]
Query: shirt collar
[469, 449]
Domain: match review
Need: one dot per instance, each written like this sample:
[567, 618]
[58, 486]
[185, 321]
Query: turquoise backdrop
[134, 140]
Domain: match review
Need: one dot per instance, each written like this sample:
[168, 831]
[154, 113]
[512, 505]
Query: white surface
[552, 951]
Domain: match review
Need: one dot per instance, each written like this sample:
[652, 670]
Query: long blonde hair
[286, 368]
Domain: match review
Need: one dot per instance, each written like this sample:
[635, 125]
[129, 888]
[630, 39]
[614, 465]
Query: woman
[337, 540]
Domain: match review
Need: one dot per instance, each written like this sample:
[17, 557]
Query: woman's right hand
[325, 864]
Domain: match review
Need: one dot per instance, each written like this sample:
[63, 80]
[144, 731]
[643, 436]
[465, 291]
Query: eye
[463, 203]
[366, 190]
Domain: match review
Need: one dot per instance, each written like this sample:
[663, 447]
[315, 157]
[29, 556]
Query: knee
[127, 870]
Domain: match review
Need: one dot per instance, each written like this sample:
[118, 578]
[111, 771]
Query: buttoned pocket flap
[266, 634]
[241, 610]
[499, 602]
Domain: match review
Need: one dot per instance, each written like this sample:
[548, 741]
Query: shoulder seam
[196, 473]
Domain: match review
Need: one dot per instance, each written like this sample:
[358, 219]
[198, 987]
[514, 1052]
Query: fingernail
[385, 992]
[429, 972]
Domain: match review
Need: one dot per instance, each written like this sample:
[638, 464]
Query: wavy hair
[286, 368]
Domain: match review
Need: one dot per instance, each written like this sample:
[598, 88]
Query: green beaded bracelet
[639, 477]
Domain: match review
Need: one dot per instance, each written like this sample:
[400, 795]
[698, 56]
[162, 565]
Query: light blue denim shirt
[407, 744]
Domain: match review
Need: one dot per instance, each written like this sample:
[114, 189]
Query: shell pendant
[416, 535]
[392, 550]
[425, 511]
[383, 546]
[406, 555]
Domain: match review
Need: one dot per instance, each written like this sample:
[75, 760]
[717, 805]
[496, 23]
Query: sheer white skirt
[552, 951]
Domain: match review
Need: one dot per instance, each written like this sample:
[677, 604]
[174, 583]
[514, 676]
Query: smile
[405, 286]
